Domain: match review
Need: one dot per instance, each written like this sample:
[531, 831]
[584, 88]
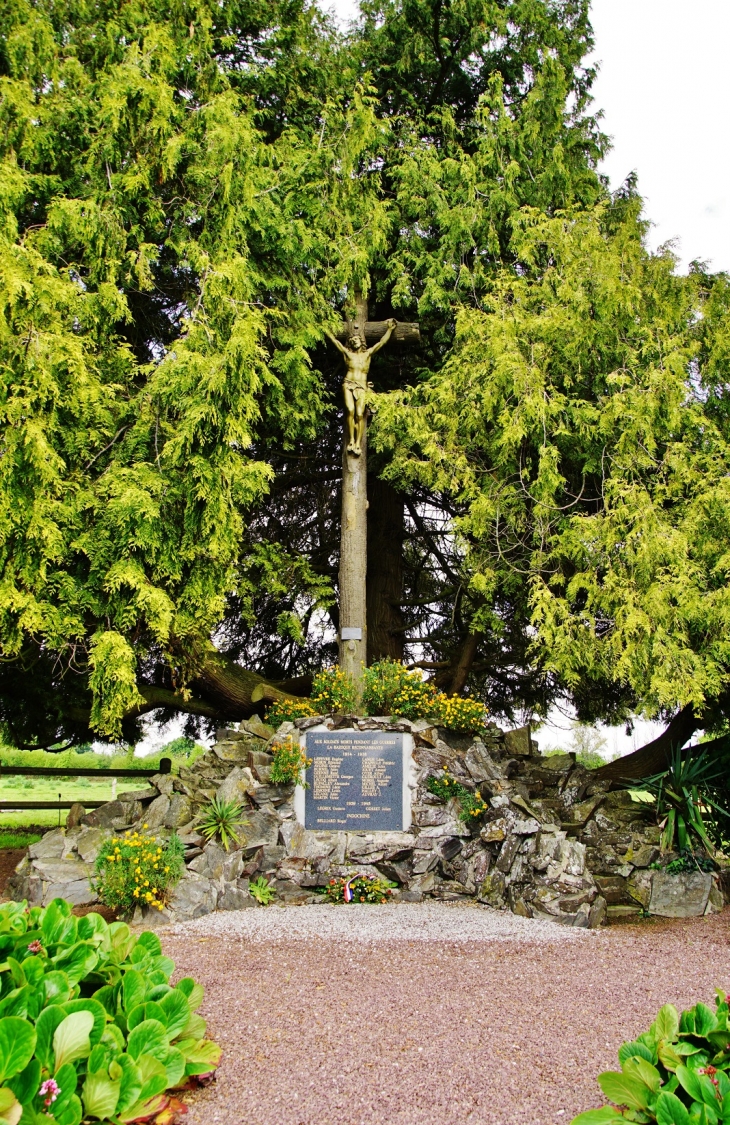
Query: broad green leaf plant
[90, 1027]
[676, 1073]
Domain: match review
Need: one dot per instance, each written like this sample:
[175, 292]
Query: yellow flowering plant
[472, 804]
[137, 869]
[287, 710]
[333, 690]
[392, 689]
[289, 761]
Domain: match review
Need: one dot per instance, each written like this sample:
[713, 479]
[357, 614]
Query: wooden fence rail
[165, 766]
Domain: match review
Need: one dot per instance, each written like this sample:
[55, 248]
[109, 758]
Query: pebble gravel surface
[428, 1014]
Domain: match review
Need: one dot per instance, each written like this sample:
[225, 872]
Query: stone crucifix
[353, 534]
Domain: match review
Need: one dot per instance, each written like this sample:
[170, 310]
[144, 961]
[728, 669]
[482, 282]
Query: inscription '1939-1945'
[355, 781]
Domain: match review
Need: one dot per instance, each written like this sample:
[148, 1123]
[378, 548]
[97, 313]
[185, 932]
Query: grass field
[48, 789]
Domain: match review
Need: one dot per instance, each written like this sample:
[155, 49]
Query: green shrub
[261, 890]
[90, 1027]
[687, 797]
[222, 819]
[389, 688]
[333, 690]
[446, 787]
[136, 870]
[289, 761]
[673, 1074]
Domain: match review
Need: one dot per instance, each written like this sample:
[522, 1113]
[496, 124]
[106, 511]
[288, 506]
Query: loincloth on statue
[350, 384]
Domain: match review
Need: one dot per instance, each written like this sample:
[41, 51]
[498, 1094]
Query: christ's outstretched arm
[384, 339]
[340, 347]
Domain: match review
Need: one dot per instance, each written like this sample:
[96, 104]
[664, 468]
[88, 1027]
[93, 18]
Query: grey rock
[680, 896]
[237, 786]
[258, 729]
[425, 861]
[559, 763]
[156, 813]
[507, 853]
[67, 879]
[271, 857]
[259, 829]
[450, 827]
[598, 913]
[526, 827]
[178, 812]
[492, 890]
[234, 898]
[142, 795]
[716, 900]
[50, 846]
[517, 742]
[231, 751]
[494, 831]
[163, 783]
[75, 815]
[193, 897]
[643, 855]
[638, 886]
[479, 763]
[426, 815]
[89, 843]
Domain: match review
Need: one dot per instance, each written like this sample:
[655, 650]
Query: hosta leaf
[148, 1038]
[11, 1110]
[66, 1080]
[145, 1110]
[146, 1011]
[25, 1084]
[47, 1022]
[635, 1049]
[201, 1055]
[77, 961]
[194, 1028]
[131, 1082]
[92, 926]
[192, 991]
[100, 1094]
[72, 1113]
[176, 1011]
[645, 1072]
[147, 943]
[671, 1111]
[174, 1064]
[56, 988]
[58, 924]
[17, 1044]
[98, 1012]
[666, 1024]
[134, 989]
[71, 1038]
[17, 1002]
[122, 941]
[624, 1089]
[705, 1020]
[698, 1086]
[153, 1076]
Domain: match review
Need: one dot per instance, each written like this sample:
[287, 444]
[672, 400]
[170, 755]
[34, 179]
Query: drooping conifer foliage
[189, 194]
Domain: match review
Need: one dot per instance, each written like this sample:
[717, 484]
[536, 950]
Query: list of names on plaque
[355, 781]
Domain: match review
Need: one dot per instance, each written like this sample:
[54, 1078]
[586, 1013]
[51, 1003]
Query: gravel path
[428, 1015]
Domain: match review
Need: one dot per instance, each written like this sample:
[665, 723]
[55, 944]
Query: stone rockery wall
[555, 843]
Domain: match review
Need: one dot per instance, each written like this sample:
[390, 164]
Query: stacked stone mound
[554, 844]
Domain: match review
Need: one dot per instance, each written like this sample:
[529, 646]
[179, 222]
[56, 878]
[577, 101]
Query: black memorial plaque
[355, 781]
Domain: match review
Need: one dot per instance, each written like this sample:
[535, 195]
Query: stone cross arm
[403, 333]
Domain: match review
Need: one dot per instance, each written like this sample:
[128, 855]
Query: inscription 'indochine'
[355, 780]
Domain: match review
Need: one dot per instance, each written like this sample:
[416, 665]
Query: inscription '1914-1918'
[355, 781]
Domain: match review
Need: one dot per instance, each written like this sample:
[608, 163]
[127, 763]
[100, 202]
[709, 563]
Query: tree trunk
[384, 571]
[464, 663]
[656, 755]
